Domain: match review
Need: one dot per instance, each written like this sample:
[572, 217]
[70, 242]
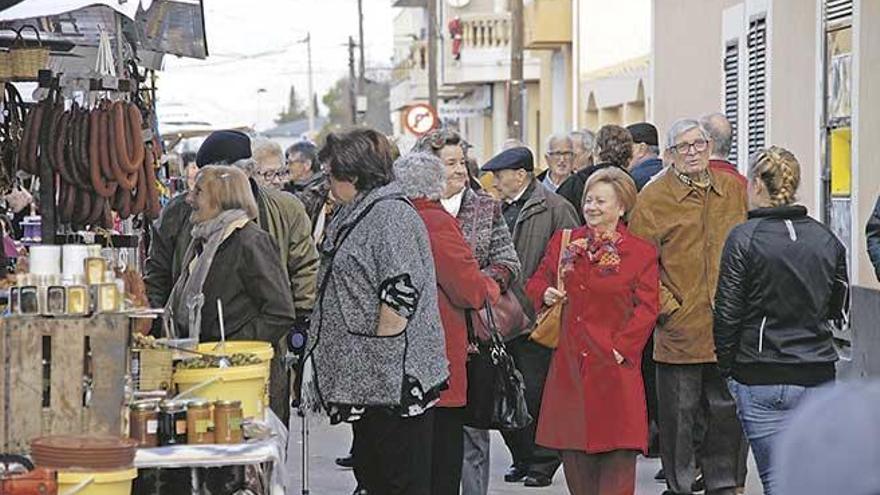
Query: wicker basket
[6, 58]
[28, 61]
[5, 65]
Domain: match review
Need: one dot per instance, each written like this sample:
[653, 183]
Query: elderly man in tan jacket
[688, 213]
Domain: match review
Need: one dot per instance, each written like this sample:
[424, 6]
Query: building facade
[474, 55]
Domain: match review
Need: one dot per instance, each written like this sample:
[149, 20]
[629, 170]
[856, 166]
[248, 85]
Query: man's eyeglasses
[560, 154]
[699, 145]
[275, 174]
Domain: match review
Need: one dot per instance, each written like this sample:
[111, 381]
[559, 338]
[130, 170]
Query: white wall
[613, 31]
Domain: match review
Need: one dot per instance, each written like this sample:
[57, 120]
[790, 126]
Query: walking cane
[296, 344]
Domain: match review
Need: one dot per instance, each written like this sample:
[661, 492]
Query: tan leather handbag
[549, 322]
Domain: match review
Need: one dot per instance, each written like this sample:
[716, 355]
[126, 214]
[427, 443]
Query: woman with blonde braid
[783, 278]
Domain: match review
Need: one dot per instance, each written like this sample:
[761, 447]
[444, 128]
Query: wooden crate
[156, 369]
[35, 405]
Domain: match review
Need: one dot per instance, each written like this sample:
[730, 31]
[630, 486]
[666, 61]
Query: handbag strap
[490, 323]
[566, 239]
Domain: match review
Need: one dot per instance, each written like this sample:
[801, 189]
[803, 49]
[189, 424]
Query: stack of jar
[196, 422]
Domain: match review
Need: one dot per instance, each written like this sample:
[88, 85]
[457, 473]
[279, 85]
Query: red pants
[609, 473]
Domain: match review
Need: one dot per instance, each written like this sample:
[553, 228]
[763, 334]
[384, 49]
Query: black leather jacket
[872, 236]
[783, 277]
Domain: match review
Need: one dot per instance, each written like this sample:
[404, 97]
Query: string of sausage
[99, 157]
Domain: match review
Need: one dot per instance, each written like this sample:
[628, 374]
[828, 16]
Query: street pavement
[328, 442]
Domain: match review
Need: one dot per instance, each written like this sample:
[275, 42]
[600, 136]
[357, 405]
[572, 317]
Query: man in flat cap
[645, 162]
[533, 213]
[280, 214]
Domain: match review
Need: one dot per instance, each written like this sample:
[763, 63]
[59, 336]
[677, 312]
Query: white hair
[558, 137]
[247, 165]
[682, 126]
[267, 152]
[421, 175]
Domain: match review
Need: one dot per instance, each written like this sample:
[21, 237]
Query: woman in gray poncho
[376, 339]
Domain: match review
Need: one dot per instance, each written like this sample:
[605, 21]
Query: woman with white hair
[460, 286]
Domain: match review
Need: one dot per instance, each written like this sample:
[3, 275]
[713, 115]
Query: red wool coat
[592, 404]
[461, 286]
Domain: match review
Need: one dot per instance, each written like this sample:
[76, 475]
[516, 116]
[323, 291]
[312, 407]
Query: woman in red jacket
[461, 286]
[594, 402]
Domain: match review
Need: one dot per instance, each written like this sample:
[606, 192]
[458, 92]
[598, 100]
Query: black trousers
[392, 455]
[649, 377]
[448, 450]
[533, 361]
[689, 394]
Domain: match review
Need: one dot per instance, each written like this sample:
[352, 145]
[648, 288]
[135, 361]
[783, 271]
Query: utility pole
[432, 53]
[352, 98]
[361, 70]
[517, 86]
[308, 42]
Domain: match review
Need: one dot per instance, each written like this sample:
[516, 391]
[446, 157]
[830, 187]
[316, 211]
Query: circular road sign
[420, 119]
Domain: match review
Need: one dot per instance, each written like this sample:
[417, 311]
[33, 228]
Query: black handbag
[496, 391]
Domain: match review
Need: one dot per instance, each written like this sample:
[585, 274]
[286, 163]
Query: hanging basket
[6, 58]
[28, 61]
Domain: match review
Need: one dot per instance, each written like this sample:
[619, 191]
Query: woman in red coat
[594, 403]
[461, 286]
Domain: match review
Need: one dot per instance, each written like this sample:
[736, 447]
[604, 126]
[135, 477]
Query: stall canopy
[154, 27]
[42, 8]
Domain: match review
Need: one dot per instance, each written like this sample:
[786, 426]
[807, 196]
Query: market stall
[79, 135]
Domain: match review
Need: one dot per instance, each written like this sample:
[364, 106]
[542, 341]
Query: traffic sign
[420, 119]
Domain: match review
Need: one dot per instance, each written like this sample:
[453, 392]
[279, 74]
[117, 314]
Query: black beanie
[224, 148]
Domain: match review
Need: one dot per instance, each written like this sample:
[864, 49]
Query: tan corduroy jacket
[689, 226]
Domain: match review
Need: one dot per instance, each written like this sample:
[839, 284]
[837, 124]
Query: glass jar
[144, 424]
[172, 423]
[199, 422]
[77, 300]
[227, 421]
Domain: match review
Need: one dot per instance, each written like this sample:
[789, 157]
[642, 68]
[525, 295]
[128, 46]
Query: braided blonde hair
[779, 171]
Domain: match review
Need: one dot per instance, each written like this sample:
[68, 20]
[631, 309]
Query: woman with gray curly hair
[479, 216]
[461, 286]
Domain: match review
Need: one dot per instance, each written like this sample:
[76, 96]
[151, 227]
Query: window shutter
[757, 96]
[731, 93]
[838, 12]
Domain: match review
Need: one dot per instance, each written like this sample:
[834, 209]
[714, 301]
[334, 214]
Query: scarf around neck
[187, 299]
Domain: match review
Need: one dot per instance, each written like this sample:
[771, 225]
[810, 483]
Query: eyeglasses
[560, 154]
[275, 174]
[699, 145]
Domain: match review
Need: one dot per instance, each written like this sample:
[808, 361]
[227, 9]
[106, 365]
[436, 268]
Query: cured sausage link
[122, 141]
[98, 153]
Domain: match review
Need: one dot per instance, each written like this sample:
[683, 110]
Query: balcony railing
[485, 31]
[416, 60]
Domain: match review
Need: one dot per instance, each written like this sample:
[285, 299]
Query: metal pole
[311, 85]
[517, 86]
[432, 53]
[351, 82]
[120, 63]
[361, 70]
